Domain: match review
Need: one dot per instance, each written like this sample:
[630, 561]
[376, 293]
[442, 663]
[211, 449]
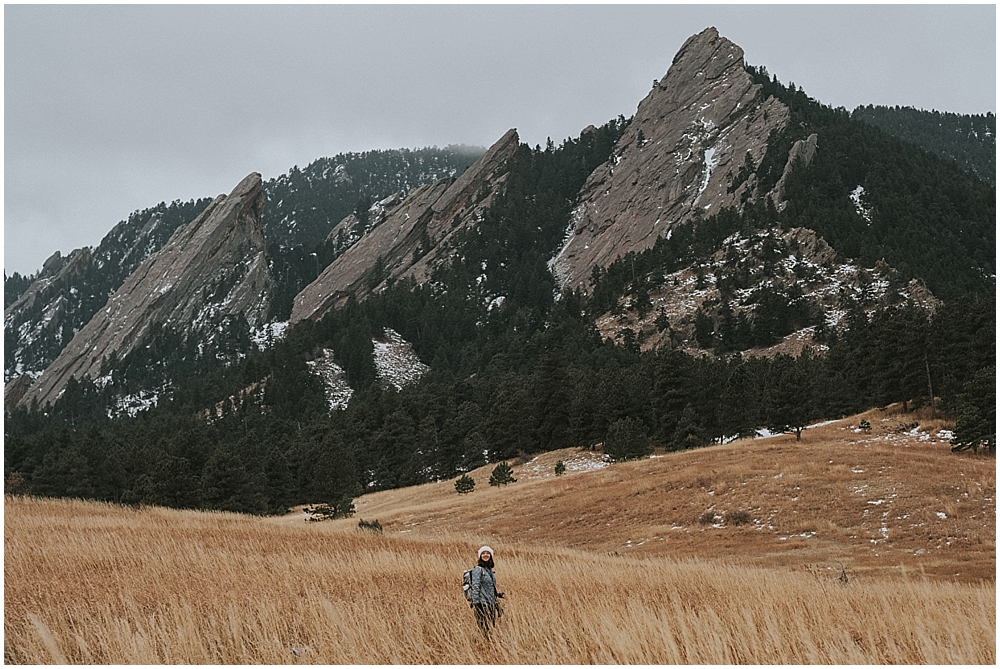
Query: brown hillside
[891, 501]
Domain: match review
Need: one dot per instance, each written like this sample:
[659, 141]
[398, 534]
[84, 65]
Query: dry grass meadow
[724, 555]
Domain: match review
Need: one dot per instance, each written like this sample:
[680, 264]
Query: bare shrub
[737, 517]
[370, 526]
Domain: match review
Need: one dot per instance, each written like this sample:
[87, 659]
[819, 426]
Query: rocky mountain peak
[410, 239]
[692, 148]
[211, 269]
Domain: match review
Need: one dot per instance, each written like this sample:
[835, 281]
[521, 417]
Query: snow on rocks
[395, 361]
[338, 393]
[395, 364]
[863, 211]
[901, 436]
[133, 404]
[584, 461]
[267, 334]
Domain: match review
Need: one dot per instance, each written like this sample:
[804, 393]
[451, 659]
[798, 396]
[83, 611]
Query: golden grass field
[600, 565]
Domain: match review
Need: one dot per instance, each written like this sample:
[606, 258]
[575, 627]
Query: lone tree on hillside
[502, 475]
[465, 484]
[627, 440]
[339, 509]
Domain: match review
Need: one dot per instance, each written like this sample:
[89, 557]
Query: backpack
[467, 584]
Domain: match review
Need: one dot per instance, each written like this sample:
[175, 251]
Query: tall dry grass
[91, 583]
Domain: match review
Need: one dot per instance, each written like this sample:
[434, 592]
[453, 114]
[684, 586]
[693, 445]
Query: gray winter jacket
[484, 586]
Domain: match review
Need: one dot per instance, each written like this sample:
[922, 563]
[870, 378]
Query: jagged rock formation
[43, 315]
[692, 149]
[211, 269]
[304, 204]
[301, 206]
[412, 238]
[802, 152]
[353, 227]
[15, 390]
[68, 291]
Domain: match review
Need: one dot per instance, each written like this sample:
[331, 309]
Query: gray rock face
[211, 269]
[691, 144]
[802, 152]
[409, 240]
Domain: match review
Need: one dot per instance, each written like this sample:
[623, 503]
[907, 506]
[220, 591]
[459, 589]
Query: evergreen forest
[968, 139]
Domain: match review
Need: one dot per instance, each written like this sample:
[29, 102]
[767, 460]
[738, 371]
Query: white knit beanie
[484, 549]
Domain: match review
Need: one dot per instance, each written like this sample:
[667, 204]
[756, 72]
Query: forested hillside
[304, 205]
[968, 139]
[514, 368]
[922, 214]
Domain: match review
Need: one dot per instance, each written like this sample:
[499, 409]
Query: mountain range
[731, 219]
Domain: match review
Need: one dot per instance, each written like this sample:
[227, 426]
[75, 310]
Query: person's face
[485, 556]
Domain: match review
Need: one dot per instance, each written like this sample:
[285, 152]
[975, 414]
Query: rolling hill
[888, 501]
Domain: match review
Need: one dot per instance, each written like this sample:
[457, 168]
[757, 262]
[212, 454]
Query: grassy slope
[868, 500]
[93, 583]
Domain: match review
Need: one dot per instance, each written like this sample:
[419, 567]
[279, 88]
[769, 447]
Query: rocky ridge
[42, 313]
[692, 148]
[412, 238]
[68, 291]
[796, 263]
[212, 269]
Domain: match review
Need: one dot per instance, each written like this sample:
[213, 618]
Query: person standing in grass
[484, 592]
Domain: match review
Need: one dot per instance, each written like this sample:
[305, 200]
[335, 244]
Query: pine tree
[229, 485]
[792, 404]
[553, 401]
[465, 484]
[502, 474]
[689, 431]
[627, 439]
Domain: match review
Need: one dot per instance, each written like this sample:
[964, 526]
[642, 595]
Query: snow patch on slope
[395, 364]
[710, 162]
[395, 361]
[338, 393]
[863, 211]
[266, 335]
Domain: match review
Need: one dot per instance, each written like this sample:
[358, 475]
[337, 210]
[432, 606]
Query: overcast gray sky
[110, 109]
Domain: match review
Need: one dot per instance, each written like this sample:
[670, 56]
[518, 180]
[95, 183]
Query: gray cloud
[109, 109]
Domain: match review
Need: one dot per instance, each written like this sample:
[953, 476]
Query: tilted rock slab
[682, 155]
[432, 213]
[40, 315]
[211, 269]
